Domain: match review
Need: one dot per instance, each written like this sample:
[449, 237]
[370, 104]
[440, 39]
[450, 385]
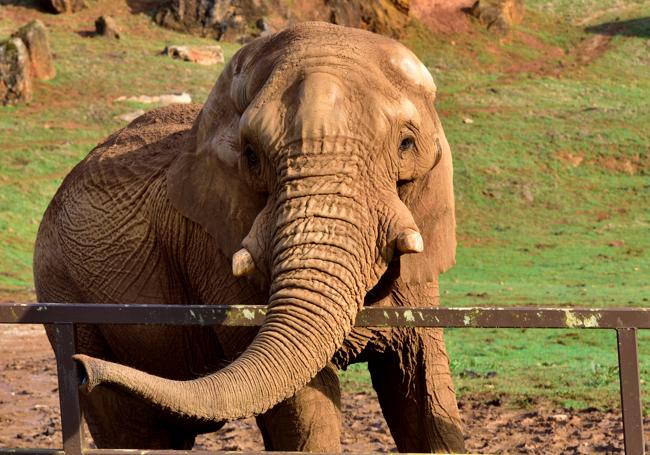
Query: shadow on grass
[148, 7]
[35, 4]
[634, 27]
[87, 33]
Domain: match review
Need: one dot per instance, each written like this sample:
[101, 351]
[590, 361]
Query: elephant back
[102, 219]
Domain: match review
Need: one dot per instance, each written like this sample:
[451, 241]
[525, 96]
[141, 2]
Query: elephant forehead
[411, 68]
[317, 107]
[319, 101]
[409, 110]
[320, 90]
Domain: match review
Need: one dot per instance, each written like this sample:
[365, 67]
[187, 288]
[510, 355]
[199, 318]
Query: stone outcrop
[163, 100]
[388, 17]
[15, 73]
[240, 20]
[220, 19]
[64, 6]
[443, 16]
[243, 20]
[203, 55]
[34, 37]
[498, 15]
[106, 26]
[24, 57]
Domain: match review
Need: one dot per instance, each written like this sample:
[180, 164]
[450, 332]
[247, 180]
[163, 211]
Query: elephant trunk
[315, 293]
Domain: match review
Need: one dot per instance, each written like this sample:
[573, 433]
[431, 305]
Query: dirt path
[29, 414]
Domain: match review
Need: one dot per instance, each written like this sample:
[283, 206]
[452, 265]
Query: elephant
[315, 180]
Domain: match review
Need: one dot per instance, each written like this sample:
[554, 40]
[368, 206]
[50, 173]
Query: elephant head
[318, 162]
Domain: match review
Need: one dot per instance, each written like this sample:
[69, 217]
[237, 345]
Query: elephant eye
[251, 157]
[407, 144]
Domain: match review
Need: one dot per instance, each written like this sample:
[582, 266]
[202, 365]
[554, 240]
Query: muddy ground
[29, 414]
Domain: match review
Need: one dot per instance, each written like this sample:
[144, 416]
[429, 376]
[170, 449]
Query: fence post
[71, 423]
[628, 369]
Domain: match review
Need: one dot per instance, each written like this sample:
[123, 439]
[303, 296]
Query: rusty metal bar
[184, 452]
[628, 369]
[71, 420]
[143, 452]
[34, 451]
[251, 315]
[624, 320]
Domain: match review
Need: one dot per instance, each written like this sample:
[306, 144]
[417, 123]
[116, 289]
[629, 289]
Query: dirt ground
[29, 414]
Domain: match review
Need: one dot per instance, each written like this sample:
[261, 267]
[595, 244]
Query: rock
[469, 374]
[447, 17]
[527, 194]
[239, 20]
[34, 36]
[130, 116]
[203, 55]
[263, 26]
[64, 6]
[15, 73]
[174, 98]
[388, 17]
[498, 15]
[561, 418]
[106, 26]
[212, 19]
[468, 121]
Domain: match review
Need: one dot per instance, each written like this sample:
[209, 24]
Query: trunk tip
[86, 372]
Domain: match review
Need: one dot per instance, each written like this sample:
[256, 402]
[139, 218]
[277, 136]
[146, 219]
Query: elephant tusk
[242, 263]
[410, 241]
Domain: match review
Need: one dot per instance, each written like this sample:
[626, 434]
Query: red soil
[29, 414]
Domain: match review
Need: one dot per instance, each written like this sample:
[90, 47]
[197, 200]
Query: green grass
[535, 228]
[39, 145]
[551, 178]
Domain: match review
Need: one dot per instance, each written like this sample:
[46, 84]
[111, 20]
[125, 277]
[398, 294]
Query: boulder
[203, 55]
[64, 6]
[241, 20]
[388, 17]
[164, 100]
[498, 15]
[219, 19]
[446, 17]
[106, 26]
[130, 116]
[15, 73]
[34, 36]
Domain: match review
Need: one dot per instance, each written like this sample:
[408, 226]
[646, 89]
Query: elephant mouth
[385, 284]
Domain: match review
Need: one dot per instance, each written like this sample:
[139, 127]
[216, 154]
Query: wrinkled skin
[319, 151]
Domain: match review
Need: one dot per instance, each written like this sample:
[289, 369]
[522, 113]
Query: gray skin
[319, 152]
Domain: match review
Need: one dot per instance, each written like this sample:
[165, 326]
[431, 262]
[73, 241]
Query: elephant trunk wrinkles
[316, 291]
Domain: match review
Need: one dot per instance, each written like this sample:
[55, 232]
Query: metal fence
[625, 321]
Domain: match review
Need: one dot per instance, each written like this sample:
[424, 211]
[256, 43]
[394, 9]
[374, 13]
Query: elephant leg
[416, 394]
[310, 421]
[116, 420]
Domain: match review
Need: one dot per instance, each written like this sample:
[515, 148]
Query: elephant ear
[204, 182]
[431, 201]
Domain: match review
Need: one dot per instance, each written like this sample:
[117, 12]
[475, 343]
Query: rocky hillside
[240, 20]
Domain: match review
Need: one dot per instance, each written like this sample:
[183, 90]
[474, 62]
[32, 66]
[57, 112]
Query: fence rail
[625, 321]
